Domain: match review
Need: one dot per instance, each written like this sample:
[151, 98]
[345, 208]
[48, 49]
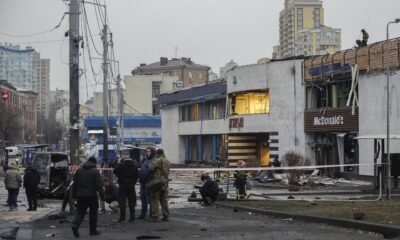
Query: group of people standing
[13, 182]
[152, 174]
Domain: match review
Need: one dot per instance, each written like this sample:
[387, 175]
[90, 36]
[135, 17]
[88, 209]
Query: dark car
[53, 168]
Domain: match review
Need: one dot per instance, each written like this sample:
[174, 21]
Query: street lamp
[397, 20]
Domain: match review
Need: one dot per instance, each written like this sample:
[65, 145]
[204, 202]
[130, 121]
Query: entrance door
[326, 153]
[263, 148]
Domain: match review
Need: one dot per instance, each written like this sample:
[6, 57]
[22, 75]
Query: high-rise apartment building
[318, 41]
[16, 66]
[24, 69]
[42, 68]
[303, 21]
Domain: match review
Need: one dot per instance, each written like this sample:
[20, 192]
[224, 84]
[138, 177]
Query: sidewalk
[311, 212]
[10, 221]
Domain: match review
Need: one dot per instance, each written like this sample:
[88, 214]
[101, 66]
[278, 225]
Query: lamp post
[397, 20]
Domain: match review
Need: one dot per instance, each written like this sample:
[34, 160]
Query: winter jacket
[210, 186]
[111, 193]
[87, 181]
[159, 170]
[127, 172]
[31, 178]
[144, 175]
[12, 179]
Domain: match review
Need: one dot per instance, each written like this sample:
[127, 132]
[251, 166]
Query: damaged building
[346, 98]
[255, 114]
[315, 106]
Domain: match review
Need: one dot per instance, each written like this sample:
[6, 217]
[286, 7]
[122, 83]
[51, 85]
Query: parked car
[13, 151]
[53, 168]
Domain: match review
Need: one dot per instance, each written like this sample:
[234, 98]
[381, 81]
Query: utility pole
[105, 94]
[120, 116]
[74, 80]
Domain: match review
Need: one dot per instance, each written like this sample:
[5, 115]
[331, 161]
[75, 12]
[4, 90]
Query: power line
[35, 34]
[88, 30]
[144, 115]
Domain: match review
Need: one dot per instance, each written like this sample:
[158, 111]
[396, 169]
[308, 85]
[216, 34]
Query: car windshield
[41, 161]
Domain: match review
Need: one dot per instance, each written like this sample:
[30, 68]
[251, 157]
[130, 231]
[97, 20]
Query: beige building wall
[138, 94]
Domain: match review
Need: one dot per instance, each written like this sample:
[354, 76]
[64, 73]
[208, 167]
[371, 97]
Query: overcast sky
[211, 32]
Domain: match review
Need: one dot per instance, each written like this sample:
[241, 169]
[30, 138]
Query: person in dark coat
[209, 189]
[87, 183]
[144, 178]
[110, 195]
[127, 173]
[31, 182]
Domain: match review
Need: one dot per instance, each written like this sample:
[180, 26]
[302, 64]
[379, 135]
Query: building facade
[18, 123]
[299, 16]
[138, 131]
[42, 68]
[140, 95]
[187, 71]
[346, 100]
[16, 66]
[258, 118]
[318, 41]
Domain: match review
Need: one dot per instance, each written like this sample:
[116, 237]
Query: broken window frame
[234, 98]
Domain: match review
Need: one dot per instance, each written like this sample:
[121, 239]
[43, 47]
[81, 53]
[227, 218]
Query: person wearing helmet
[240, 180]
[364, 41]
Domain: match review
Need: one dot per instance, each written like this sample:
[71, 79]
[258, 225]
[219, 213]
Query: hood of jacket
[88, 165]
[152, 155]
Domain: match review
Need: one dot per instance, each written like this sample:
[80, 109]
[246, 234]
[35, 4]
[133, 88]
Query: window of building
[299, 19]
[252, 102]
[155, 90]
[317, 17]
[328, 95]
[202, 111]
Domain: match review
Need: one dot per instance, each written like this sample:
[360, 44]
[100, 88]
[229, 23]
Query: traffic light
[5, 95]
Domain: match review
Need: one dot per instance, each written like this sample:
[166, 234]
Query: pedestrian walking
[87, 183]
[12, 182]
[209, 190]
[127, 173]
[144, 177]
[158, 186]
[31, 182]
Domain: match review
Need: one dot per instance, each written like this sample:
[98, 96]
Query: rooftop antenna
[176, 52]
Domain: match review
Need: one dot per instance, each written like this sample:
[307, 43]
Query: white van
[12, 151]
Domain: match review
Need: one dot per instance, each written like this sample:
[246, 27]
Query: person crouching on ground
[12, 182]
[127, 173]
[87, 183]
[31, 182]
[158, 186]
[144, 177]
[209, 189]
[110, 195]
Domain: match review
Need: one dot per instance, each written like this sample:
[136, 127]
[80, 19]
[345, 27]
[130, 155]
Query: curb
[386, 230]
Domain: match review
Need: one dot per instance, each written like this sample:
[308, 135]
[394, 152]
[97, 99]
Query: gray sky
[211, 32]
